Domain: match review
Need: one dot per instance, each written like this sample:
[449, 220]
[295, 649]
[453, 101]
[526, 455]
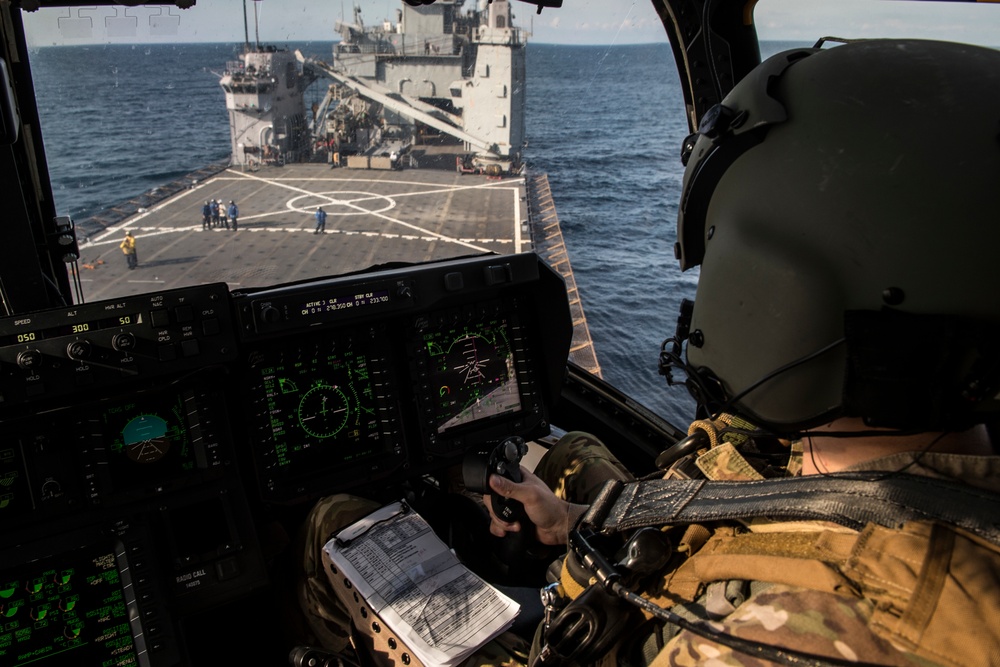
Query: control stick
[503, 460]
[520, 555]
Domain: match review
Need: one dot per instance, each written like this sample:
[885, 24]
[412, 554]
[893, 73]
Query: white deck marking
[111, 235]
[154, 231]
[395, 221]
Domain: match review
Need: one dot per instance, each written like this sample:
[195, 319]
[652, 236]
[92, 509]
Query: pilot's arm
[552, 516]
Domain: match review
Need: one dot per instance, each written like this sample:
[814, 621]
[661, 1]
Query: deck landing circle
[340, 202]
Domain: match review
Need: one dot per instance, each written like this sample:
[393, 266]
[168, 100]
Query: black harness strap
[849, 499]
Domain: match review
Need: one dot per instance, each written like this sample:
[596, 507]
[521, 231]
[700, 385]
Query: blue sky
[577, 22]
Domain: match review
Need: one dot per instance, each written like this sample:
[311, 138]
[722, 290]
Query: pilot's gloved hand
[552, 516]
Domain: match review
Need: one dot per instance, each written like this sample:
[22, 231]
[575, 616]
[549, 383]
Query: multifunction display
[149, 444]
[70, 610]
[475, 375]
[472, 371]
[321, 406]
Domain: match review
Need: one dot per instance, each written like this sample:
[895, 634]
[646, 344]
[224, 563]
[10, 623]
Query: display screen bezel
[528, 419]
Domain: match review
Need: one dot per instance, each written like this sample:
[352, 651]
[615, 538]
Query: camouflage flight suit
[818, 622]
[575, 468]
[879, 611]
[882, 621]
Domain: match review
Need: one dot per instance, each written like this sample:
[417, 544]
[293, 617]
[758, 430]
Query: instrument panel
[362, 377]
[139, 431]
[331, 382]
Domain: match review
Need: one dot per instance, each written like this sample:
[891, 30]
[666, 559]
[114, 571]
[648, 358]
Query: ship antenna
[256, 27]
[246, 30]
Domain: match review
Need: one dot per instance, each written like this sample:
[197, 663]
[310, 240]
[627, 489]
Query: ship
[414, 154]
[437, 75]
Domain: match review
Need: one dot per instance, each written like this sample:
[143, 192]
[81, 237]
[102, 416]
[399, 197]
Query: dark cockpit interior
[160, 451]
[145, 437]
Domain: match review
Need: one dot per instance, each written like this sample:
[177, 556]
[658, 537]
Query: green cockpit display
[321, 406]
[323, 410]
[66, 610]
[472, 372]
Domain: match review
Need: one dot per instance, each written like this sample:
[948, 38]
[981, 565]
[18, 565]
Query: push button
[159, 319]
[227, 568]
[184, 313]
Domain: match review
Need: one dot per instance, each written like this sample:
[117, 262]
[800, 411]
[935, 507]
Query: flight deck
[373, 217]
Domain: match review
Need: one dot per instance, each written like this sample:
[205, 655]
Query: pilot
[841, 204]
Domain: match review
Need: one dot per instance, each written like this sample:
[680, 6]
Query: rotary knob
[270, 314]
[29, 360]
[79, 350]
[123, 342]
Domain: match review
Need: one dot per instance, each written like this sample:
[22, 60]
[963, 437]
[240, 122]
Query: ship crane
[404, 105]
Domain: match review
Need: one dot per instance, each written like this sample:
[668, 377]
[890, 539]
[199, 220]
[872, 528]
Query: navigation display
[322, 406]
[67, 610]
[472, 372]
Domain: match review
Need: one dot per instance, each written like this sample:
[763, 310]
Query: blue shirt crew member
[234, 214]
[320, 220]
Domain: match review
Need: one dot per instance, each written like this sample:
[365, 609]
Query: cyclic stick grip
[505, 460]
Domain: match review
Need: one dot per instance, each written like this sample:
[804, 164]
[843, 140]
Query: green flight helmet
[844, 207]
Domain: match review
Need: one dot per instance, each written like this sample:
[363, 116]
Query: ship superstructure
[264, 97]
[436, 70]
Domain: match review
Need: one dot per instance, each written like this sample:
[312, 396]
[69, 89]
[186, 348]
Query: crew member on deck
[234, 214]
[320, 220]
[128, 247]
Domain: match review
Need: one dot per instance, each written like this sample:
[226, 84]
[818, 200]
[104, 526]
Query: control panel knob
[78, 350]
[123, 342]
[270, 314]
[29, 359]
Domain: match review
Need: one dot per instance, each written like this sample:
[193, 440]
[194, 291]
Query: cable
[778, 371]
[706, 27]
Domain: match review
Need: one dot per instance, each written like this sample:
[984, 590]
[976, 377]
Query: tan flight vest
[935, 587]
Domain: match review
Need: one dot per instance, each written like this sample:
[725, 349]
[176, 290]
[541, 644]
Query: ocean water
[605, 123]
